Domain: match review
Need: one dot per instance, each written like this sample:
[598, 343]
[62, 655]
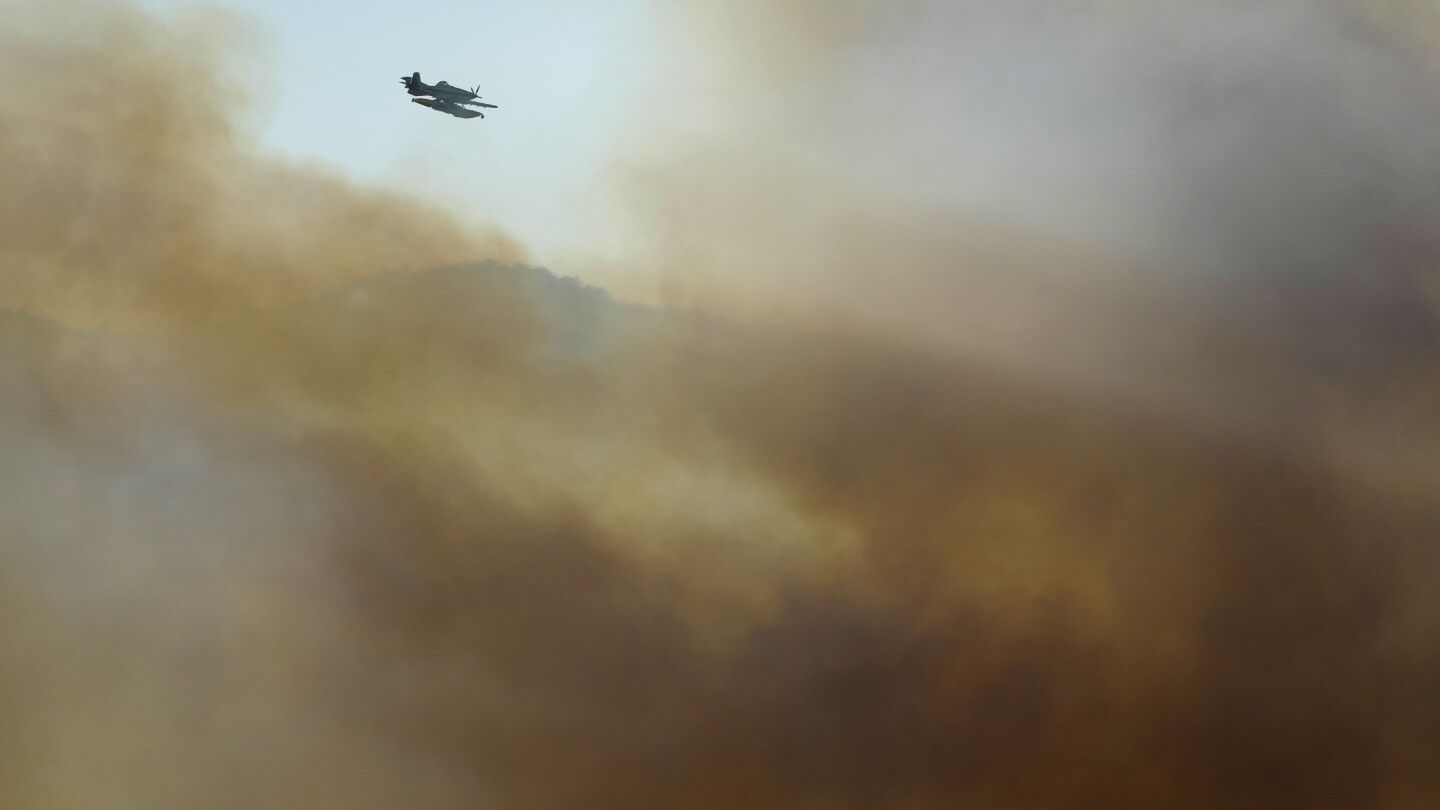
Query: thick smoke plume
[311, 497]
[1208, 208]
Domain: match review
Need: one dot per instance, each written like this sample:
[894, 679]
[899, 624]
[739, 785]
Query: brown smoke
[308, 498]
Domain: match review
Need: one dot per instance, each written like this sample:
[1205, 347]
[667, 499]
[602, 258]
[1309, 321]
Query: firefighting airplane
[446, 98]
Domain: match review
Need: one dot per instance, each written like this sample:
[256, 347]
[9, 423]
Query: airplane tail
[411, 80]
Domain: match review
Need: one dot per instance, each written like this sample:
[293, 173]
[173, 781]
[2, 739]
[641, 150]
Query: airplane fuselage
[441, 90]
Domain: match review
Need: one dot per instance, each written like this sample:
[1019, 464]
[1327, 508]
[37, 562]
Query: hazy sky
[562, 71]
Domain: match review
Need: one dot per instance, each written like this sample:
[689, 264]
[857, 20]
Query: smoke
[1171, 205]
[311, 497]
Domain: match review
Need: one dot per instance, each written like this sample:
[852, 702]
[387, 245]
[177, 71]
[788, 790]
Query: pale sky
[564, 72]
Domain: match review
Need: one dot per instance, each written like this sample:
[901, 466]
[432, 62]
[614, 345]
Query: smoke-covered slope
[482, 535]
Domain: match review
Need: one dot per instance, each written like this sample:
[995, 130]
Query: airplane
[445, 97]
